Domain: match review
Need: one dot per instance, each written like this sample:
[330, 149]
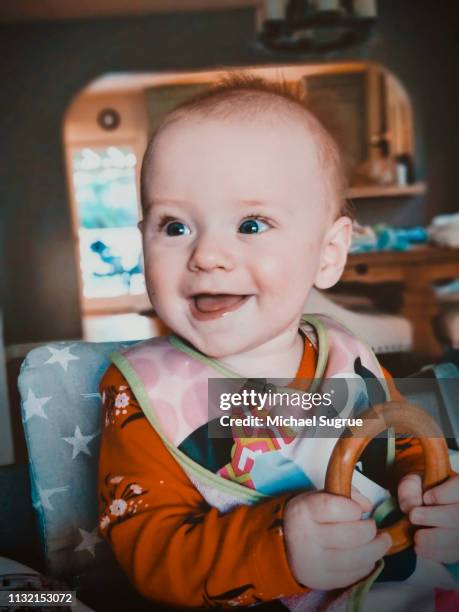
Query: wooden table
[416, 270]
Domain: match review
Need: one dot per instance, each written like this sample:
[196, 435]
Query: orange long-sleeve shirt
[175, 548]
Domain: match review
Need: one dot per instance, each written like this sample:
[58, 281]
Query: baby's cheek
[269, 273]
[273, 261]
[151, 280]
[281, 286]
[161, 270]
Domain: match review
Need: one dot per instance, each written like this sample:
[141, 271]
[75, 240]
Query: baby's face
[236, 214]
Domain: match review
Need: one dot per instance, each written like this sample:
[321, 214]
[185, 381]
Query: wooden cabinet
[416, 270]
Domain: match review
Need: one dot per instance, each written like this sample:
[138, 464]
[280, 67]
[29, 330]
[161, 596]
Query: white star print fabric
[61, 417]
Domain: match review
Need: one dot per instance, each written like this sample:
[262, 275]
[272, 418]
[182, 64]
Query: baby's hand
[440, 512]
[328, 545]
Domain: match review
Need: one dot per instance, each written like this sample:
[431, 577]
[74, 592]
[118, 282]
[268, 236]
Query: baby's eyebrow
[168, 201]
[252, 202]
[165, 201]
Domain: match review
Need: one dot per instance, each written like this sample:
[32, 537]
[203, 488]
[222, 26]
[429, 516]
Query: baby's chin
[217, 348]
[220, 345]
[219, 341]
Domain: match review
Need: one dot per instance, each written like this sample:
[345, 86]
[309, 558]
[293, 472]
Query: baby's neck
[278, 358]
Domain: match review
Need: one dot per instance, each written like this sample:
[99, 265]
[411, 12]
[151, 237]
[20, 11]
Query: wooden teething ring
[405, 418]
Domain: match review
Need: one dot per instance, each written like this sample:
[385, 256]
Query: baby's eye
[253, 226]
[176, 228]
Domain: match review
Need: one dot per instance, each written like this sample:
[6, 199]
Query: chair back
[61, 414]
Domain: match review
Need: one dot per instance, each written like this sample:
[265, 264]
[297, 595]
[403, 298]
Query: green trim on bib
[360, 591]
[205, 476]
[382, 510]
[321, 327]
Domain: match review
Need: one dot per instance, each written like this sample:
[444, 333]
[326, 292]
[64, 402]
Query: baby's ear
[334, 249]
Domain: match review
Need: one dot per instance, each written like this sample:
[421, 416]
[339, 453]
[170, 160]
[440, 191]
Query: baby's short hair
[246, 96]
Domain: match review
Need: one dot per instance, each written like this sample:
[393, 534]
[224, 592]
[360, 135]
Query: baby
[243, 201]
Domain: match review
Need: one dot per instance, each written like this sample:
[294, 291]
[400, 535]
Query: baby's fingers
[436, 516]
[344, 579]
[346, 535]
[362, 557]
[328, 508]
[409, 492]
[446, 493]
[438, 544]
[363, 501]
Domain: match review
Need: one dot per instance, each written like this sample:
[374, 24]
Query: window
[104, 181]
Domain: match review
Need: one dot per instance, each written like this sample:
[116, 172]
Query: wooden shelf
[386, 191]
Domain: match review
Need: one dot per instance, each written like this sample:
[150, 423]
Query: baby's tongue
[209, 303]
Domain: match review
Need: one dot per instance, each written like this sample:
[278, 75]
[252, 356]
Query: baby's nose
[210, 253]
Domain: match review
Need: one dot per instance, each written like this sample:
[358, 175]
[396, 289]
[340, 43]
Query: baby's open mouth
[205, 306]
